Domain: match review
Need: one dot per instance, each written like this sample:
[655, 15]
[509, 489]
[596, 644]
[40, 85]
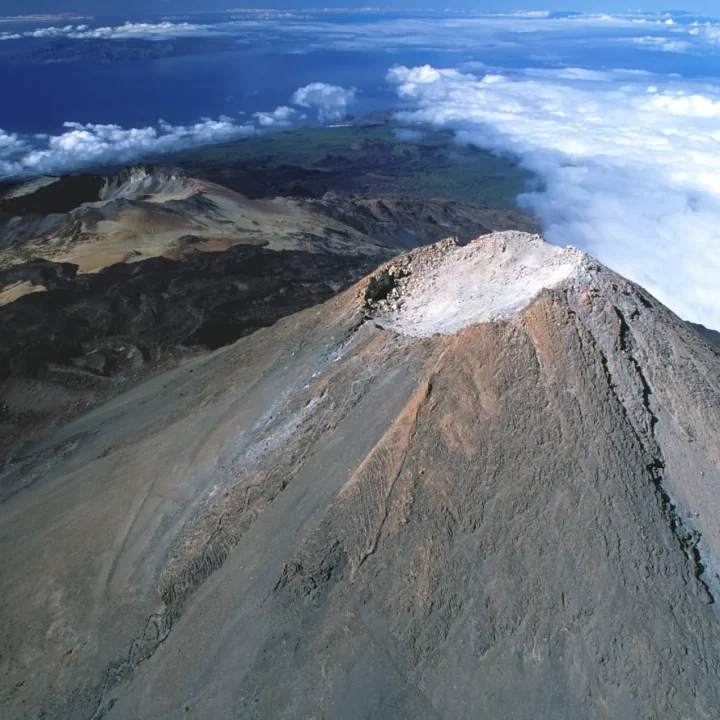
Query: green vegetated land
[365, 159]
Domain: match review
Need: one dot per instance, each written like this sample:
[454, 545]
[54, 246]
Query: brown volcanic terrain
[483, 482]
[147, 212]
[103, 281]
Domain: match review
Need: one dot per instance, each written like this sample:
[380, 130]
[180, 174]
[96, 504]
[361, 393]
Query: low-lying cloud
[330, 101]
[145, 31]
[630, 164]
[15, 19]
[88, 144]
[453, 31]
[281, 117]
[540, 33]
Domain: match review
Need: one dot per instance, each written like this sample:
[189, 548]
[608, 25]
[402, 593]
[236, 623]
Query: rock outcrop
[364, 512]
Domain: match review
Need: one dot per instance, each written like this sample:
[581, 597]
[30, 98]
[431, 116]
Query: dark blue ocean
[180, 90]
[266, 66]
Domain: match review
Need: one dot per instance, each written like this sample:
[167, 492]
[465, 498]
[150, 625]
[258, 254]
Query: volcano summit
[281, 471]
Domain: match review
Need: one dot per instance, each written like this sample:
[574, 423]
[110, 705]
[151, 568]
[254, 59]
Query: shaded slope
[712, 336]
[91, 335]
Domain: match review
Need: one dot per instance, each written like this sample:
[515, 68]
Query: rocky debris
[140, 182]
[385, 287]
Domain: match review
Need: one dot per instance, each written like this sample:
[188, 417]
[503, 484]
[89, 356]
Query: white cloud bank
[451, 30]
[87, 145]
[83, 145]
[630, 164]
[42, 18]
[145, 31]
[280, 117]
[330, 101]
[521, 33]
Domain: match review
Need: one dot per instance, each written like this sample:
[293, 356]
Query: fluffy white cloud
[630, 165]
[10, 143]
[280, 117]
[530, 14]
[330, 101]
[146, 31]
[707, 32]
[83, 145]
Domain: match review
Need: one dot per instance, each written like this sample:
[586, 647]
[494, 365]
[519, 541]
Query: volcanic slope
[505, 506]
[105, 280]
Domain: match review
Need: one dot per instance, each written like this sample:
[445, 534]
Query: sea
[257, 76]
[274, 56]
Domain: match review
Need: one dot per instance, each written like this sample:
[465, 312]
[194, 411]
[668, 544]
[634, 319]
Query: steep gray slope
[334, 519]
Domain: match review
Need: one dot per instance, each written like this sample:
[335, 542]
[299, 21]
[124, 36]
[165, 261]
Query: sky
[617, 115]
[115, 7]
